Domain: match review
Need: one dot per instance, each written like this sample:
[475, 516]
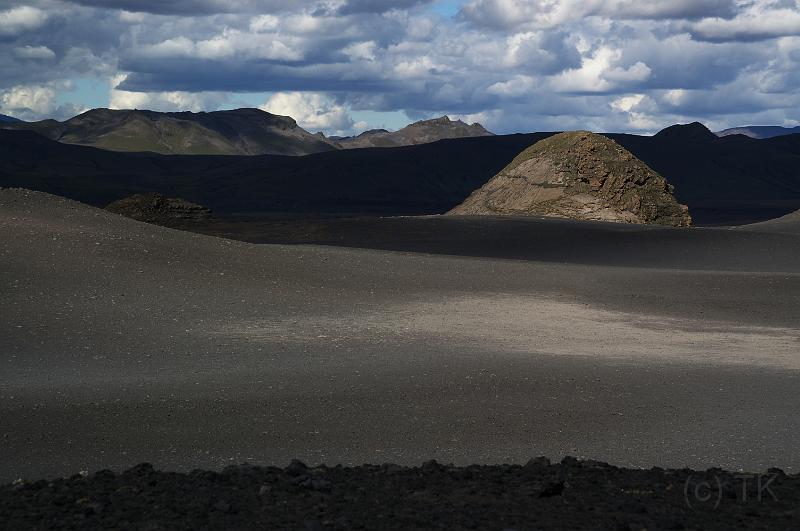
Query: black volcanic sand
[771, 246]
[539, 495]
[122, 343]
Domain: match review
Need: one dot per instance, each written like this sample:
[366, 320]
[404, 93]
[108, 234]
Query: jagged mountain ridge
[578, 175]
[233, 132]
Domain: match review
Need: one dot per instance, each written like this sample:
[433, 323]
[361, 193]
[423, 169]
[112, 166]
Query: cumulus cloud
[517, 65]
[162, 101]
[208, 7]
[30, 99]
[36, 102]
[601, 72]
[312, 111]
[551, 13]
[756, 23]
[192, 7]
[34, 53]
[20, 19]
[227, 44]
[378, 6]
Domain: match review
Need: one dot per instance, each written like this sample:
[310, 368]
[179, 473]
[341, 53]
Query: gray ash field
[122, 343]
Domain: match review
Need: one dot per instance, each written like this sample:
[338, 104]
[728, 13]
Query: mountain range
[9, 119]
[760, 131]
[422, 132]
[235, 132]
[728, 180]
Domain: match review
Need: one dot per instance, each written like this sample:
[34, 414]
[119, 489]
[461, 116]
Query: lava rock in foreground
[570, 495]
[155, 208]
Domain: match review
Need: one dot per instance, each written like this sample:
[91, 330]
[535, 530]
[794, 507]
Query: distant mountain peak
[691, 131]
[245, 131]
[421, 132]
[9, 119]
[760, 131]
[439, 120]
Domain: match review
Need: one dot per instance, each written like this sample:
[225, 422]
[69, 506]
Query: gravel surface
[122, 343]
[539, 495]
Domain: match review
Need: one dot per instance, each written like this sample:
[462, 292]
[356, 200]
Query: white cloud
[554, 64]
[312, 111]
[34, 53]
[229, 43]
[132, 17]
[163, 101]
[19, 19]
[516, 86]
[754, 24]
[28, 99]
[552, 13]
[627, 103]
[600, 73]
[265, 23]
[361, 51]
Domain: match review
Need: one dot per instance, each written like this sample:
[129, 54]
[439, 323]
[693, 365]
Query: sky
[344, 66]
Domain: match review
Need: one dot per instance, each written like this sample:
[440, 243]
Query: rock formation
[155, 208]
[578, 175]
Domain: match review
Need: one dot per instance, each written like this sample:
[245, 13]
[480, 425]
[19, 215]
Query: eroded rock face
[155, 208]
[579, 175]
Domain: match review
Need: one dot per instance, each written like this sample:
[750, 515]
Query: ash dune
[125, 342]
[579, 175]
[790, 223]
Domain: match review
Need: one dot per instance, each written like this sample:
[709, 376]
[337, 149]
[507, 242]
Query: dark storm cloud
[73, 51]
[378, 6]
[211, 7]
[192, 75]
[196, 7]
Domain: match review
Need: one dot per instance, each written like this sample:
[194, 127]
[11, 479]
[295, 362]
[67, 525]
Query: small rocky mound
[579, 175]
[155, 208]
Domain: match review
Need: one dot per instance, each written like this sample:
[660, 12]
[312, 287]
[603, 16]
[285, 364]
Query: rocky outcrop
[579, 175]
[155, 208]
